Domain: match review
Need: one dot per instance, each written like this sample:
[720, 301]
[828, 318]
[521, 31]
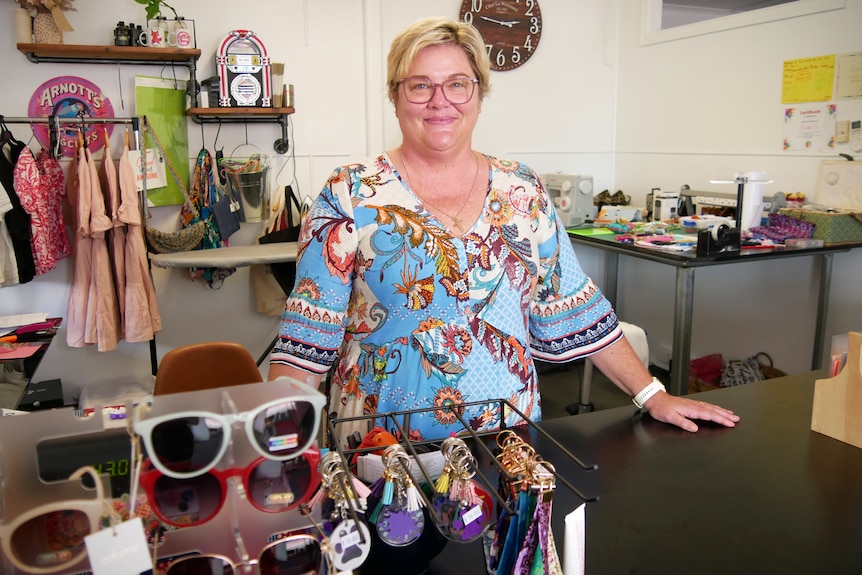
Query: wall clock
[511, 29]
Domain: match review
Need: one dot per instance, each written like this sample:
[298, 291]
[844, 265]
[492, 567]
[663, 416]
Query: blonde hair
[437, 32]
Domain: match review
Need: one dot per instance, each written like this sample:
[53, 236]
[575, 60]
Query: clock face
[511, 29]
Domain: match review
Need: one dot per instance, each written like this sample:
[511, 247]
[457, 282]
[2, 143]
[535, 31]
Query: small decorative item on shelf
[164, 32]
[23, 26]
[49, 22]
[122, 34]
[277, 91]
[244, 70]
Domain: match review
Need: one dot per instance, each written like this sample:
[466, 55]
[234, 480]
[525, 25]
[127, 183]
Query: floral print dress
[413, 318]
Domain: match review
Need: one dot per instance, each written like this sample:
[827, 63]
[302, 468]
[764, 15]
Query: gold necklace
[456, 221]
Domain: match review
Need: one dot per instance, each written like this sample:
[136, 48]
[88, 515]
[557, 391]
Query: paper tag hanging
[119, 550]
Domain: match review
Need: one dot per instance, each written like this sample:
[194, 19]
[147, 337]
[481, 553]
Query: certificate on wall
[163, 102]
[809, 128]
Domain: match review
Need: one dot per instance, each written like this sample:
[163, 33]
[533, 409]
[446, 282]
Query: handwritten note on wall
[808, 79]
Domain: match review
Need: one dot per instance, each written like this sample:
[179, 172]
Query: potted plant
[49, 22]
[154, 8]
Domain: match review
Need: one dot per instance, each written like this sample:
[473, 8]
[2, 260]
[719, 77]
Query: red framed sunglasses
[271, 485]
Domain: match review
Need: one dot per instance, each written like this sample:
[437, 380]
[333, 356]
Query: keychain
[343, 500]
[462, 508]
[398, 515]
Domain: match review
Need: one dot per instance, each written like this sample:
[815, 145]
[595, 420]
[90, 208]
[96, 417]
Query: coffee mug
[154, 37]
[180, 38]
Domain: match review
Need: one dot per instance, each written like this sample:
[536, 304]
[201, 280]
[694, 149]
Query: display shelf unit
[87, 54]
[92, 54]
[246, 116]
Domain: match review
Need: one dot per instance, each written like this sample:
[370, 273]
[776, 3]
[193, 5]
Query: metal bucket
[249, 183]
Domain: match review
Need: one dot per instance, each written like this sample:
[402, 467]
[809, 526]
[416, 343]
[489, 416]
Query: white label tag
[120, 550]
[472, 514]
[156, 174]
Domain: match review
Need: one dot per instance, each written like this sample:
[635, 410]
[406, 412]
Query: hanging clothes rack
[54, 124]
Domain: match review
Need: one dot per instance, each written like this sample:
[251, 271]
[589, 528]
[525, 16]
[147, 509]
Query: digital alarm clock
[108, 452]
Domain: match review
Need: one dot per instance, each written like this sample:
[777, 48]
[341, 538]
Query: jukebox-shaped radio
[243, 68]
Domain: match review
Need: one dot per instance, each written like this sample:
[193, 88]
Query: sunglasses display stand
[22, 488]
[239, 531]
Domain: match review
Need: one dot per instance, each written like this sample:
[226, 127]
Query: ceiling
[731, 5]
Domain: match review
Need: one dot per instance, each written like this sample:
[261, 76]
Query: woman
[432, 275]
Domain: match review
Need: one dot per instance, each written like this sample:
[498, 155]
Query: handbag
[284, 231]
[704, 373]
[740, 372]
[191, 235]
[769, 370]
[225, 212]
[268, 295]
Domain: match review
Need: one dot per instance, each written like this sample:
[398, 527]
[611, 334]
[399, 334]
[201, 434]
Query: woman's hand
[680, 411]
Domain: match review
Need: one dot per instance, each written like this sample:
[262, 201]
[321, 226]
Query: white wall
[591, 100]
[555, 113]
[706, 107]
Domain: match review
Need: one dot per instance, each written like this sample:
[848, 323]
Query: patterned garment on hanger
[17, 219]
[40, 185]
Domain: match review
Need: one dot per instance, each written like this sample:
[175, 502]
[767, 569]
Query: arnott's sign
[69, 98]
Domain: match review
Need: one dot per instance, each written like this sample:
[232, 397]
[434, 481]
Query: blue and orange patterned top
[413, 317]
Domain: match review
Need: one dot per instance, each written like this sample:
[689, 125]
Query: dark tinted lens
[291, 556]
[200, 566]
[51, 539]
[279, 485]
[187, 444]
[187, 501]
[285, 428]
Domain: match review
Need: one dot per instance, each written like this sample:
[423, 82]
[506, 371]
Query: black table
[770, 496]
[686, 263]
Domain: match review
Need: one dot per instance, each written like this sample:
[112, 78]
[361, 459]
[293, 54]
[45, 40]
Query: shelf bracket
[281, 145]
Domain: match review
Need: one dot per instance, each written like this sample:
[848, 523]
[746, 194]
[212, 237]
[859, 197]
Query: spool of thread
[23, 27]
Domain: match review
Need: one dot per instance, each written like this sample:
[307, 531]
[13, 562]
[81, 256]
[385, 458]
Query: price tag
[119, 550]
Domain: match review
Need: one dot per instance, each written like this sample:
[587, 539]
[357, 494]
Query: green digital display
[108, 452]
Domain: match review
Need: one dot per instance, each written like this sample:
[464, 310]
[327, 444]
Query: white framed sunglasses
[50, 538]
[186, 444]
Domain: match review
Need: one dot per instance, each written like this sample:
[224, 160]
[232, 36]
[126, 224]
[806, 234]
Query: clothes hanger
[6, 135]
[53, 136]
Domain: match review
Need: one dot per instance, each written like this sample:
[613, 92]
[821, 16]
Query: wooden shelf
[87, 54]
[73, 52]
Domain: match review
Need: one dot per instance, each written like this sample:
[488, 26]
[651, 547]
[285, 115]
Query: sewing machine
[573, 197]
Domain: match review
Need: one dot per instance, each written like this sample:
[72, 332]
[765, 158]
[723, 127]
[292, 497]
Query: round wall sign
[69, 98]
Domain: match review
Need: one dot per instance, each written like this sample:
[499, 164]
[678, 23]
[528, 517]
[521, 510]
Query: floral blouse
[414, 318]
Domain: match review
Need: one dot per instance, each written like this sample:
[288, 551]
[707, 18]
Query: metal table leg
[822, 310]
[612, 274]
[682, 314]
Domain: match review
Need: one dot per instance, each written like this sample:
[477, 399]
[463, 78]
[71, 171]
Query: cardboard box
[834, 228]
[838, 199]
[46, 394]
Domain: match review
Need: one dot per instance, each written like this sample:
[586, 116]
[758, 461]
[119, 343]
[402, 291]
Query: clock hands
[508, 24]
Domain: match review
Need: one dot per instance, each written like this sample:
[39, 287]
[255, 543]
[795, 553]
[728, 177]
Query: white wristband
[650, 390]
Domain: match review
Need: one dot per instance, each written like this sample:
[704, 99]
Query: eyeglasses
[293, 555]
[190, 443]
[420, 90]
[272, 486]
[50, 537]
